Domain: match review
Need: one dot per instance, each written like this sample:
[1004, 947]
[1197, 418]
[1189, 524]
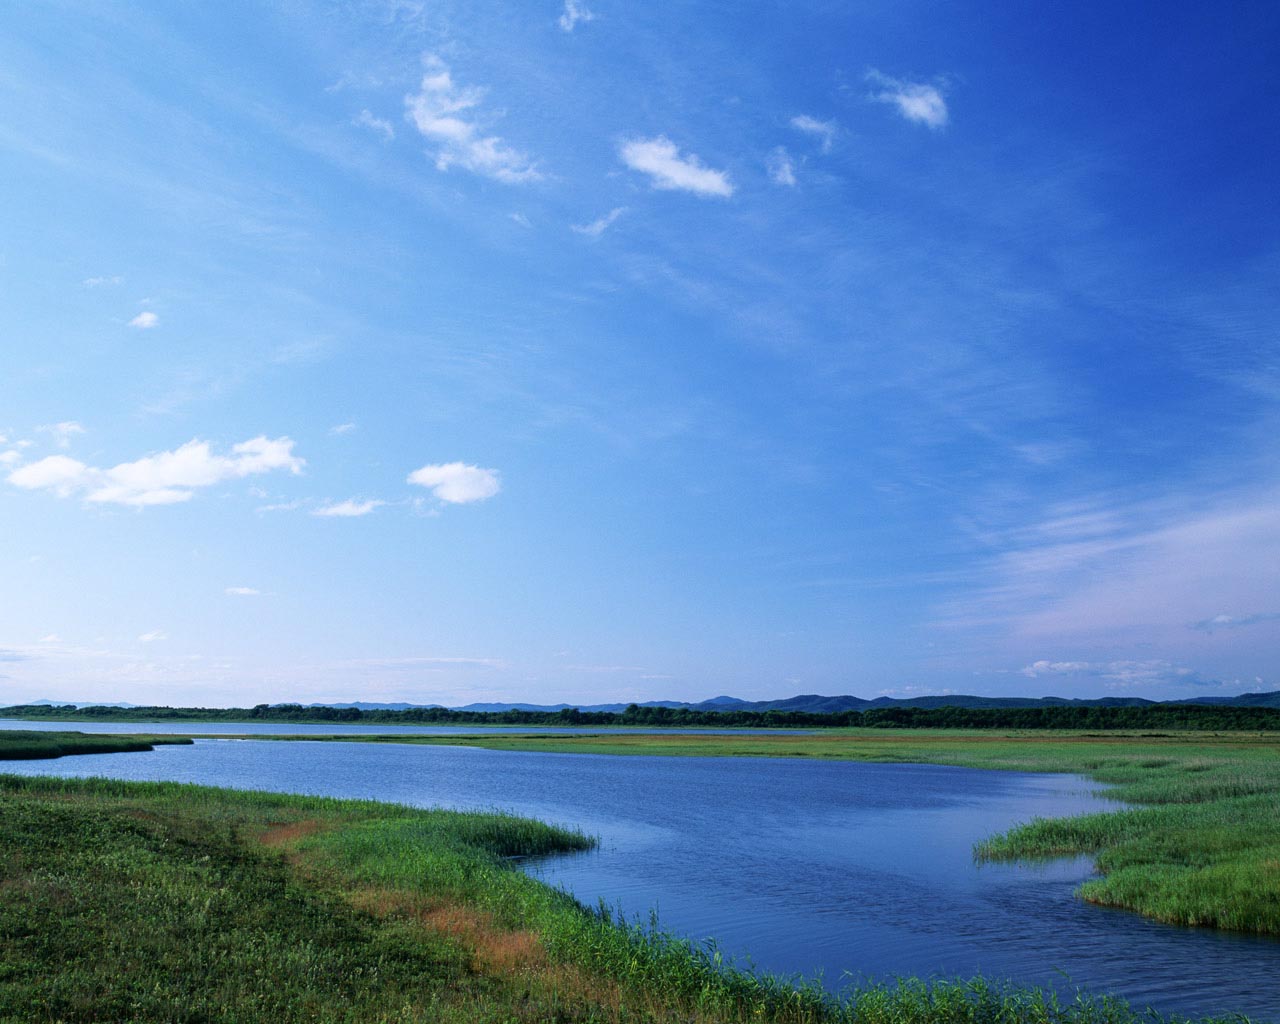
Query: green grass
[163, 902]
[1202, 848]
[30, 745]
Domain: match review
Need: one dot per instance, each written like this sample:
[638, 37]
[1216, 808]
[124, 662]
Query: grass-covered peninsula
[29, 745]
[1202, 846]
[165, 902]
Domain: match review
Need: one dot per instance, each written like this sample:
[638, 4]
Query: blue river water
[850, 871]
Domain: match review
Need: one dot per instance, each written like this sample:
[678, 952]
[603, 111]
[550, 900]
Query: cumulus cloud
[824, 131]
[348, 509]
[63, 432]
[458, 483]
[383, 127]
[668, 170]
[572, 14]
[446, 114]
[161, 479]
[778, 164]
[145, 320]
[242, 592]
[915, 101]
[153, 636]
[599, 226]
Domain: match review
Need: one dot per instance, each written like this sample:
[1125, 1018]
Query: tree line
[1152, 716]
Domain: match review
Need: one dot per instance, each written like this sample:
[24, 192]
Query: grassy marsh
[1203, 847]
[167, 902]
[30, 745]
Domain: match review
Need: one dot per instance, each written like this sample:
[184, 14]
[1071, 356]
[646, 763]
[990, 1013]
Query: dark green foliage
[1074, 716]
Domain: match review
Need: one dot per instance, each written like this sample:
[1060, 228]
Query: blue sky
[589, 351]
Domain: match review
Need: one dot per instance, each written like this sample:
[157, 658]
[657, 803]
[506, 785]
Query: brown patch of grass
[290, 832]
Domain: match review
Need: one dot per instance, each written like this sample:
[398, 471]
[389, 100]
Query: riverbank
[1202, 848]
[171, 902]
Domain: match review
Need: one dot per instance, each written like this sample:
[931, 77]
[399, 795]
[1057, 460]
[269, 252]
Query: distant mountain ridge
[813, 703]
[809, 703]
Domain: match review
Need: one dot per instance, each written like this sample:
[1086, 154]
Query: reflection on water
[852, 870]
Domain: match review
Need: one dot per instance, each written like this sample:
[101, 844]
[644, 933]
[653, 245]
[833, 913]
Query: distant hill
[812, 703]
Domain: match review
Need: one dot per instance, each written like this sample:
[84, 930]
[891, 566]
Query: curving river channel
[850, 870]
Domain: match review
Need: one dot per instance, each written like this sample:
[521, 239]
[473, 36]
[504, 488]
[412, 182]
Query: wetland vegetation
[167, 902]
[28, 745]
[1201, 848]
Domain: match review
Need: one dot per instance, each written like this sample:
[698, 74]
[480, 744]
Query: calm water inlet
[852, 870]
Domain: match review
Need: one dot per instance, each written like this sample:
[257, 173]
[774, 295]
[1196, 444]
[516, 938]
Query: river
[854, 871]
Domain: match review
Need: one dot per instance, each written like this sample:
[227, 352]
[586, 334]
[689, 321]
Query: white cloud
[51, 638]
[1122, 675]
[98, 282]
[437, 110]
[1044, 667]
[1235, 621]
[153, 636]
[573, 13]
[242, 592]
[915, 100]
[825, 131]
[161, 479]
[342, 428]
[365, 119]
[348, 509]
[10, 457]
[521, 219]
[458, 483]
[778, 164]
[598, 227]
[145, 320]
[667, 169]
[63, 432]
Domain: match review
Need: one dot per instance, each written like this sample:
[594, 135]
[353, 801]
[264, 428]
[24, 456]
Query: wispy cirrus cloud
[781, 170]
[600, 225]
[164, 478]
[1122, 674]
[1111, 570]
[668, 170]
[916, 101]
[379, 125]
[1234, 621]
[457, 483]
[63, 432]
[823, 131]
[242, 592]
[448, 115]
[98, 282]
[349, 509]
[572, 14]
